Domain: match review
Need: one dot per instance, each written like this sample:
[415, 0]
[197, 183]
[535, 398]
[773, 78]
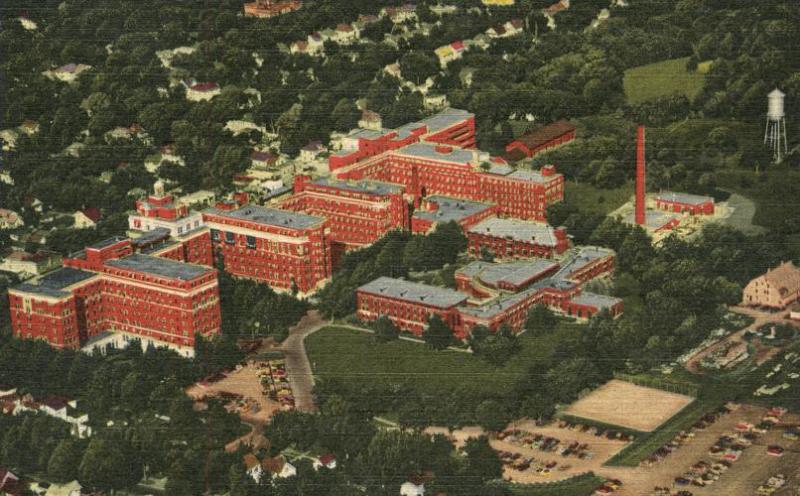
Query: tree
[541, 320]
[483, 462]
[438, 335]
[491, 415]
[109, 465]
[385, 330]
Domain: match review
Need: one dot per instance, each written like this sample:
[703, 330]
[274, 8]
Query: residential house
[551, 11]
[29, 127]
[87, 217]
[393, 70]
[498, 3]
[237, 127]
[777, 288]
[346, 34]
[253, 467]
[311, 151]
[278, 467]
[298, 47]
[263, 159]
[27, 23]
[370, 120]
[435, 102]
[69, 489]
[67, 73]
[9, 138]
[403, 13]
[67, 411]
[26, 264]
[201, 91]
[450, 52]
[328, 461]
[10, 484]
[6, 178]
[412, 488]
[10, 219]
[271, 8]
[602, 17]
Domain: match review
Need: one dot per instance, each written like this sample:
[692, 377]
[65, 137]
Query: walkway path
[298, 368]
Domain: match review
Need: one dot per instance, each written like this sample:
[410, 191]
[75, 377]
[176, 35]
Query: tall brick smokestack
[641, 185]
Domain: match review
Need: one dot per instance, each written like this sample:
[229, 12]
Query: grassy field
[582, 485]
[345, 354]
[664, 78]
[589, 198]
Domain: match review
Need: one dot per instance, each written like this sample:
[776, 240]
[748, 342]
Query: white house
[288, 470]
[67, 73]
[411, 489]
[311, 151]
[253, 467]
[201, 91]
[86, 218]
[27, 23]
[346, 34]
[69, 489]
[10, 219]
[328, 461]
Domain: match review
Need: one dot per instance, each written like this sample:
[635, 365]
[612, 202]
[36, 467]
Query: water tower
[775, 132]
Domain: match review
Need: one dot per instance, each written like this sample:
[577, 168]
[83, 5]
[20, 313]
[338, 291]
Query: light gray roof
[580, 259]
[450, 209]
[653, 219]
[414, 292]
[517, 273]
[686, 198]
[500, 169]
[158, 266]
[519, 230]
[363, 186]
[54, 283]
[529, 175]
[596, 300]
[367, 133]
[499, 305]
[269, 216]
[428, 150]
[446, 118]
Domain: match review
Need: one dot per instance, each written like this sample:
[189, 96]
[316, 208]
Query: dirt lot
[601, 448]
[246, 383]
[746, 474]
[628, 405]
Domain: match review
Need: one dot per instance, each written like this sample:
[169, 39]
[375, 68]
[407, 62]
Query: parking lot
[751, 469]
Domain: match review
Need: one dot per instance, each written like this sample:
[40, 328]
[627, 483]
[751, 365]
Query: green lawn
[589, 198]
[665, 78]
[345, 354]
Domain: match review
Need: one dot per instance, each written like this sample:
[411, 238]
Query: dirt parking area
[246, 384]
[745, 475]
[628, 405]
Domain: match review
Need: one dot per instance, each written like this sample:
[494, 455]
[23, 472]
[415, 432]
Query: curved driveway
[298, 368]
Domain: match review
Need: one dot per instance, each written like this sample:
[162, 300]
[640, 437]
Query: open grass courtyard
[668, 77]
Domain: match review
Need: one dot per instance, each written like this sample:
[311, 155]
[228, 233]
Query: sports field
[630, 406]
[664, 78]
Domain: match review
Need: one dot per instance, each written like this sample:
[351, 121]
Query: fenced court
[629, 405]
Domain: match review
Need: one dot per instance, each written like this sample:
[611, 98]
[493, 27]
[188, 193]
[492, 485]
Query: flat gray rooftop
[367, 133]
[581, 258]
[414, 292]
[446, 118]
[364, 186]
[450, 209]
[687, 198]
[158, 266]
[499, 305]
[517, 273]
[599, 301]
[519, 230]
[428, 150]
[653, 219]
[530, 176]
[107, 242]
[269, 216]
[54, 283]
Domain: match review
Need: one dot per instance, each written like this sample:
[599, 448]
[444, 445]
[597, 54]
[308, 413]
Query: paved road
[298, 368]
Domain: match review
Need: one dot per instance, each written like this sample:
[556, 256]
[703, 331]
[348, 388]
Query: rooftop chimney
[640, 177]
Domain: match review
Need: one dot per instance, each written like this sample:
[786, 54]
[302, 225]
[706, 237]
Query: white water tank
[775, 105]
